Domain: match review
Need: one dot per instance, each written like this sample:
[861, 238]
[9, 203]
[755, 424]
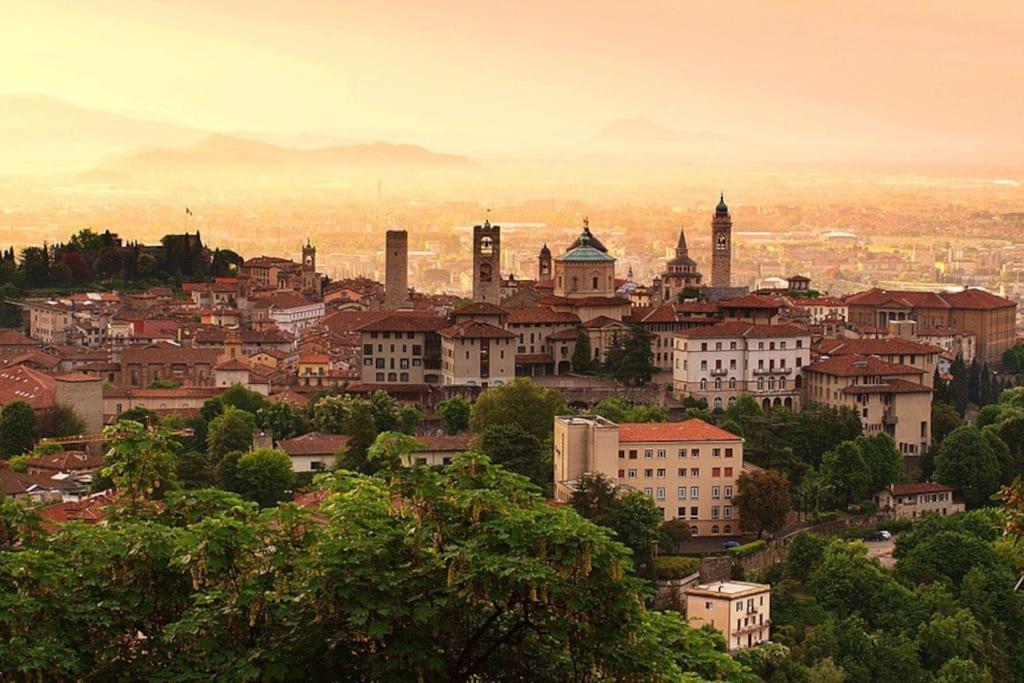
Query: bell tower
[721, 246]
[544, 264]
[310, 280]
[487, 263]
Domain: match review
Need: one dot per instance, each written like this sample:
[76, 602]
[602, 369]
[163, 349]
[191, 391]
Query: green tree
[846, 471]
[966, 462]
[140, 463]
[762, 500]
[194, 470]
[804, 554]
[521, 402]
[517, 450]
[17, 428]
[391, 450]
[265, 476]
[620, 410]
[361, 427]
[582, 355]
[454, 413]
[957, 635]
[330, 414]
[945, 419]
[958, 386]
[959, 670]
[61, 421]
[408, 419]
[283, 419]
[631, 360]
[243, 399]
[231, 431]
[141, 415]
[883, 460]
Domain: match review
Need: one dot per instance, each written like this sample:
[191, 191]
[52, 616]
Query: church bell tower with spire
[721, 246]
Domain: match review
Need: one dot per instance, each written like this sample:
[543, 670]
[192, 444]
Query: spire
[721, 208]
[681, 249]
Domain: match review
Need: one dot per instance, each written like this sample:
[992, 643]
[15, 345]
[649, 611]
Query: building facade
[487, 263]
[739, 610]
[689, 468]
[396, 269]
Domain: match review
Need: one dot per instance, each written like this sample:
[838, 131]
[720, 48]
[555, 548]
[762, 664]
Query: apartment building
[477, 354]
[722, 362]
[739, 610]
[402, 349]
[289, 312]
[991, 318]
[890, 349]
[689, 468]
[545, 339]
[889, 397]
[909, 501]
[823, 309]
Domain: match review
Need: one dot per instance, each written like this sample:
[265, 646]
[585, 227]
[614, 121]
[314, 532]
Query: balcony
[773, 371]
[889, 416]
[718, 372]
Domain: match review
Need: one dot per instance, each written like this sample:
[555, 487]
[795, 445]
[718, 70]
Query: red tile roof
[525, 315]
[914, 489]
[854, 366]
[402, 322]
[22, 383]
[534, 358]
[471, 329]
[565, 334]
[314, 358]
[233, 365]
[873, 347]
[66, 460]
[480, 308]
[977, 299]
[314, 443]
[89, 510]
[445, 442]
[13, 338]
[688, 430]
[891, 386]
[751, 301]
[897, 299]
[603, 321]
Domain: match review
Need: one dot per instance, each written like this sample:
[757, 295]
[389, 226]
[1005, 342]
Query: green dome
[721, 208]
[585, 253]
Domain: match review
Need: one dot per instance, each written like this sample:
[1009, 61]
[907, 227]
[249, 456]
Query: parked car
[729, 545]
[878, 536]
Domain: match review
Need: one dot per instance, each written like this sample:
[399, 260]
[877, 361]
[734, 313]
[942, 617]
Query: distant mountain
[227, 159]
[41, 133]
[643, 136]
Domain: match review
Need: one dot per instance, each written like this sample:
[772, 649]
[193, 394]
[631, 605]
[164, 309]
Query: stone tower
[544, 264]
[396, 269]
[310, 279]
[721, 246]
[680, 272]
[487, 263]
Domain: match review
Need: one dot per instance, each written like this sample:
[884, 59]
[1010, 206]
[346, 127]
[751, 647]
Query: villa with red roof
[689, 468]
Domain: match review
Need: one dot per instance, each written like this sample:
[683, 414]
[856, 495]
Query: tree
[391, 450]
[957, 635]
[762, 500]
[141, 415]
[804, 554]
[408, 418]
[883, 460]
[265, 476]
[140, 463]
[520, 590]
[945, 419]
[517, 450]
[671, 533]
[847, 472]
[958, 670]
[61, 421]
[231, 431]
[330, 414]
[454, 414]
[17, 428]
[283, 419]
[243, 399]
[958, 386]
[194, 470]
[521, 402]
[630, 360]
[582, 355]
[620, 410]
[361, 428]
[966, 462]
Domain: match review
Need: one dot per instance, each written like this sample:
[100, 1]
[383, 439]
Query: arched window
[718, 383]
[693, 530]
[760, 383]
[486, 246]
[703, 384]
[392, 377]
[732, 400]
[718, 401]
[486, 272]
[771, 383]
[714, 529]
[797, 381]
[782, 383]
[732, 382]
[728, 528]
[404, 377]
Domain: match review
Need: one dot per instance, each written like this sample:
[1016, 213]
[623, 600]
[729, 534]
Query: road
[882, 550]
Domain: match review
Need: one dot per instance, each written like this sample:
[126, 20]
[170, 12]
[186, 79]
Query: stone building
[680, 272]
[721, 246]
[396, 269]
[487, 263]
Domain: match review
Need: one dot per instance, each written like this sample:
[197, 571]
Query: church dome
[590, 240]
[722, 207]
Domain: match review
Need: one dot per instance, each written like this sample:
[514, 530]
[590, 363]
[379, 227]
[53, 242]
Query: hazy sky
[944, 79]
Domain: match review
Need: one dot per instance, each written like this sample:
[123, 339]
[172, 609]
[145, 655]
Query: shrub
[748, 548]
[675, 566]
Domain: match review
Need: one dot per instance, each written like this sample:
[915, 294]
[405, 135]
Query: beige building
[739, 610]
[402, 349]
[909, 501]
[545, 339]
[722, 362]
[689, 468]
[890, 349]
[477, 354]
[889, 397]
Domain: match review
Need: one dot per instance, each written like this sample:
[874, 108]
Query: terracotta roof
[445, 442]
[17, 483]
[745, 330]
[873, 347]
[401, 322]
[480, 308]
[76, 377]
[602, 321]
[314, 443]
[66, 460]
[693, 429]
[289, 396]
[162, 353]
[977, 299]
[584, 302]
[897, 299]
[176, 392]
[818, 301]
[525, 315]
[914, 489]
[534, 358]
[751, 301]
[89, 510]
[314, 358]
[22, 383]
[565, 334]
[665, 313]
[891, 386]
[13, 338]
[233, 365]
[471, 329]
[282, 300]
[33, 358]
[854, 366]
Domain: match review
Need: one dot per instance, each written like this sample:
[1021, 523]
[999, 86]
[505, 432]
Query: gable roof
[873, 347]
[401, 322]
[22, 383]
[472, 329]
[745, 330]
[525, 315]
[314, 443]
[854, 365]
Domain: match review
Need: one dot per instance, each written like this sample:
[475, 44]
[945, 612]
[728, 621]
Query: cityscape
[379, 356]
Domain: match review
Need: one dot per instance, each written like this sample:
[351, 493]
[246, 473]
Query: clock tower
[721, 245]
[310, 279]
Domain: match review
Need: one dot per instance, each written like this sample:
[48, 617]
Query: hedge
[748, 548]
[675, 566]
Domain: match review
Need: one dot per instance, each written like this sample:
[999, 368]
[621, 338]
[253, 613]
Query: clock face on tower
[720, 243]
[309, 260]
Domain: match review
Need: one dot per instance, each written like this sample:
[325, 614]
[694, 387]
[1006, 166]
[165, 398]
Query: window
[694, 471]
[661, 453]
[648, 490]
[367, 349]
[649, 453]
[694, 452]
[682, 493]
[716, 471]
[694, 493]
[380, 377]
[716, 492]
[727, 511]
[649, 472]
[728, 471]
[715, 512]
[728, 492]
[682, 452]
[622, 474]
[716, 452]
[682, 472]
[661, 473]
[632, 474]
[632, 455]
[660, 495]
[622, 454]
[694, 512]
[728, 452]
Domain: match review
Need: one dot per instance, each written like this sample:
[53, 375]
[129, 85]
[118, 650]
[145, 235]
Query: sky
[937, 80]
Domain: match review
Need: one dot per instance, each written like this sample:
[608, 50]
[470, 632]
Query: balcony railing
[889, 416]
[773, 371]
[718, 372]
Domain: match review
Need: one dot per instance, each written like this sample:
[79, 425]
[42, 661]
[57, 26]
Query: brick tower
[396, 269]
[721, 246]
[544, 264]
[487, 263]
